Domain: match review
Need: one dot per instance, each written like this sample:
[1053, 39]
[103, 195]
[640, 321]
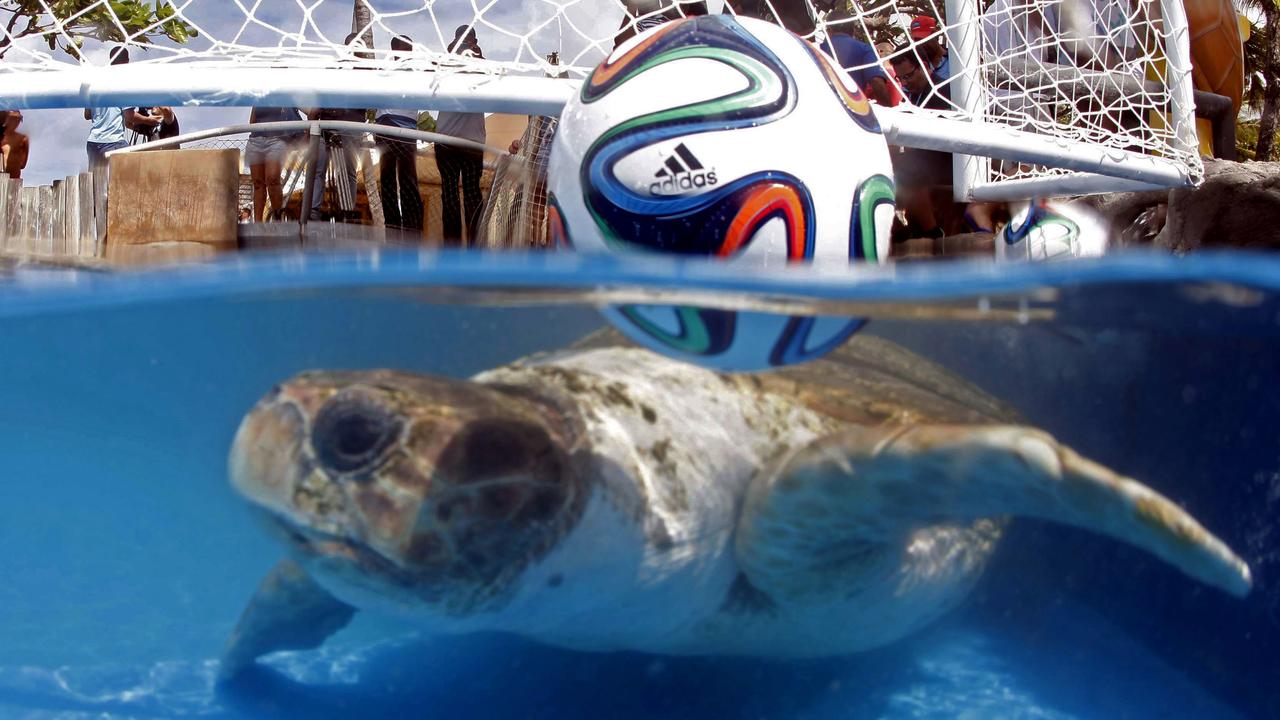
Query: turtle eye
[352, 432]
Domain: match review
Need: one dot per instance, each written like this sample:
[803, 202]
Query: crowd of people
[337, 156]
[267, 151]
[916, 71]
[401, 203]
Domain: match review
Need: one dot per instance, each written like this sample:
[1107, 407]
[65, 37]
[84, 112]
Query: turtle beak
[264, 463]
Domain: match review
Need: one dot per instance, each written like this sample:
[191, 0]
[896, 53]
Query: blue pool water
[126, 558]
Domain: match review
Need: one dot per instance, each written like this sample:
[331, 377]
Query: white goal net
[1031, 95]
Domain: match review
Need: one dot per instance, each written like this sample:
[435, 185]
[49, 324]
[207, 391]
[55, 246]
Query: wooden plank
[71, 215]
[177, 198]
[13, 230]
[88, 224]
[100, 182]
[45, 244]
[30, 219]
[56, 231]
[4, 211]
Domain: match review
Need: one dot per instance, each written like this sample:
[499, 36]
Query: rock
[1238, 205]
[1135, 217]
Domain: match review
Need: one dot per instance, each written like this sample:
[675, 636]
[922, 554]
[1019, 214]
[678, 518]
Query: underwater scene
[508, 564]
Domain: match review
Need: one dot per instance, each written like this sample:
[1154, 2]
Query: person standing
[14, 146]
[107, 132]
[461, 165]
[265, 154]
[398, 171]
[927, 38]
[860, 61]
[917, 172]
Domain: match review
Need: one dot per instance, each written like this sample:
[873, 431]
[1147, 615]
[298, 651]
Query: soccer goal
[1039, 96]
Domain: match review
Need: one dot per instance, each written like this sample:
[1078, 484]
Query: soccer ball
[723, 137]
[1044, 229]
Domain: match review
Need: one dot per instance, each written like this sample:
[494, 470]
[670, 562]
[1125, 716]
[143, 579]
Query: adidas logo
[680, 172]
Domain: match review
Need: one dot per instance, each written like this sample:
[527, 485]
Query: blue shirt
[942, 71]
[851, 53]
[108, 126]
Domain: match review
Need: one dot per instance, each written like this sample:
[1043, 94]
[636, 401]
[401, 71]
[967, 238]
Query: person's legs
[100, 169]
[254, 156]
[258, 173]
[275, 186]
[471, 167]
[274, 150]
[94, 152]
[387, 184]
[407, 175]
[450, 212]
[321, 170]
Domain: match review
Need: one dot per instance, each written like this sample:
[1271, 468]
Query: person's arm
[22, 151]
[88, 114]
[140, 123]
[878, 89]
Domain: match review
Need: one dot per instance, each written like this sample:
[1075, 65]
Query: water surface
[127, 558]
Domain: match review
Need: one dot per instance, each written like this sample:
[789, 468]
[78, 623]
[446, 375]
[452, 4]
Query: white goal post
[1099, 99]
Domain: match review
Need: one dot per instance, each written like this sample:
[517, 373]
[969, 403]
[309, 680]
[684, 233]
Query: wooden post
[88, 224]
[56, 231]
[4, 211]
[30, 219]
[71, 215]
[45, 244]
[13, 223]
[100, 183]
[172, 205]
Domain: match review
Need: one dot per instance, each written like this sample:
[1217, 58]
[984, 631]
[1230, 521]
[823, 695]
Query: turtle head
[410, 489]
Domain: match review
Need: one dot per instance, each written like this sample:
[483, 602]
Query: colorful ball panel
[730, 138]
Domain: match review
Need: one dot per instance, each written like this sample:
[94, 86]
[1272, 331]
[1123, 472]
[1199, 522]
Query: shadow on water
[501, 677]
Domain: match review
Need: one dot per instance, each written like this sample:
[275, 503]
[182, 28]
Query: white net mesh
[1096, 72]
[1099, 73]
[515, 214]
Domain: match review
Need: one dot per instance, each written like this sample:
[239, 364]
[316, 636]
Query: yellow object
[1217, 48]
[1217, 58]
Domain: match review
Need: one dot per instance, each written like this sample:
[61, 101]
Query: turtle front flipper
[289, 611]
[854, 503]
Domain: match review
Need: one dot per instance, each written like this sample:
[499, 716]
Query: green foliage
[1247, 139]
[426, 123]
[136, 21]
[1255, 60]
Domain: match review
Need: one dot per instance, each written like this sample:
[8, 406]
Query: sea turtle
[605, 498]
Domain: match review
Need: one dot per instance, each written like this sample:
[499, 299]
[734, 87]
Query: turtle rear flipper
[848, 505]
[289, 611]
